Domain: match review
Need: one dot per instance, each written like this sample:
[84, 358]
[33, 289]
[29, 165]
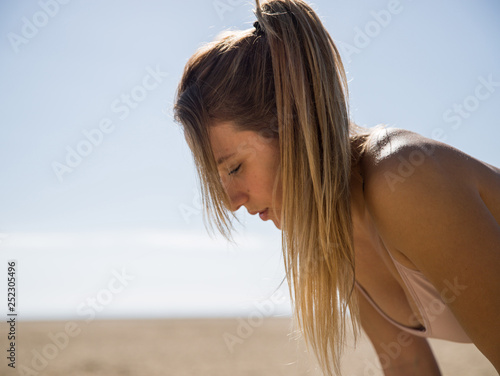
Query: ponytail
[313, 117]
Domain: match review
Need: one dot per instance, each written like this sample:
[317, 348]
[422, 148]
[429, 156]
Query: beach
[185, 347]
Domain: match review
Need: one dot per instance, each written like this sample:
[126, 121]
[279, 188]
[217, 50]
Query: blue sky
[131, 202]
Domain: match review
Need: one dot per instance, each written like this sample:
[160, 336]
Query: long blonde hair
[284, 79]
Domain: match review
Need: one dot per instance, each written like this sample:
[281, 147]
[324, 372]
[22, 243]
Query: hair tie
[258, 28]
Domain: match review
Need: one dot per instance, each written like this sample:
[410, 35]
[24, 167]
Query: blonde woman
[380, 227]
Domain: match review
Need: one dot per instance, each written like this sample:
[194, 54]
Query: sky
[99, 196]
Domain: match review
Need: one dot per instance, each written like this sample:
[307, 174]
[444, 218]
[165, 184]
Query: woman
[401, 230]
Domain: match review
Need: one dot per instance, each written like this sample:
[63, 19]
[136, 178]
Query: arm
[438, 220]
[400, 353]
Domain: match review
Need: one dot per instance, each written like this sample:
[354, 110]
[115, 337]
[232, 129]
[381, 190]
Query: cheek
[265, 182]
[261, 172]
[255, 181]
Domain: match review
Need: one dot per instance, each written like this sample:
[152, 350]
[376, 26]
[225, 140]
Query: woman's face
[249, 172]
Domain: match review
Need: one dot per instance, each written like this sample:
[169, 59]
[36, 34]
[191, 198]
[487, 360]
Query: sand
[207, 347]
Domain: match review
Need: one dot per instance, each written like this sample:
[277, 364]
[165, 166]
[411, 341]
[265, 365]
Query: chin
[277, 224]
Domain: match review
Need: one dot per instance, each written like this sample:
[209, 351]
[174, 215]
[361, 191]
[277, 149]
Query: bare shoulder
[401, 167]
[404, 171]
[397, 156]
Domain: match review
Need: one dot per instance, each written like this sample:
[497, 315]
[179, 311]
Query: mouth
[264, 215]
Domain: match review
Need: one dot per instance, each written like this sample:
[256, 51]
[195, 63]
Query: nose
[237, 196]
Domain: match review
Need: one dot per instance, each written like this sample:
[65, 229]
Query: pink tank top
[439, 321]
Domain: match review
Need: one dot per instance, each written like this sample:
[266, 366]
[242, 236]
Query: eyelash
[235, 170]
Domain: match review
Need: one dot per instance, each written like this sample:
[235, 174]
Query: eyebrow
[224, 158]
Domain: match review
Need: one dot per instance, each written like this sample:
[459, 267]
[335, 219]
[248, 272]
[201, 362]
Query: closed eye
[235, 170]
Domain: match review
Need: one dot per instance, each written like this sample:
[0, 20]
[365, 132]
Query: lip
[264, 215]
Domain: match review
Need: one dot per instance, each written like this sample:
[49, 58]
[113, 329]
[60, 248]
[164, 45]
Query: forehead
[226, 140]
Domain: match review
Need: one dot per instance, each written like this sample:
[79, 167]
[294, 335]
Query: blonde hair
[285, 80]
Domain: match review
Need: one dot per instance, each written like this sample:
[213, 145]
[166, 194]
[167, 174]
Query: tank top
[439, 320]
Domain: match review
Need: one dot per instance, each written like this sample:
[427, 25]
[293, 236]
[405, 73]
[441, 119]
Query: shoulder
[424, 199]
[397, 156]
[408, 177]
